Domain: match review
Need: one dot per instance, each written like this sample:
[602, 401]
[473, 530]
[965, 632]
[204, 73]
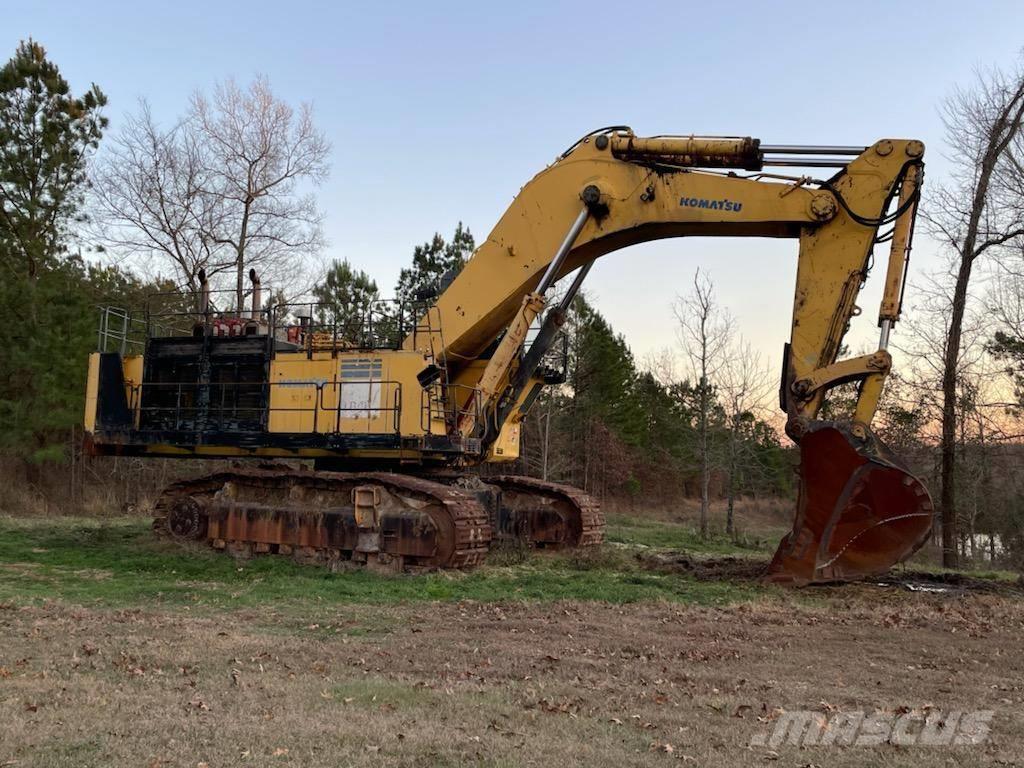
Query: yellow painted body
[646, 190]
[357, 393]
[91, 388]
[132, 367]
[506, 447]
[372, 392]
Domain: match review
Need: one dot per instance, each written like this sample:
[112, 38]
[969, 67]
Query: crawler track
[376, 518]
[549, 514]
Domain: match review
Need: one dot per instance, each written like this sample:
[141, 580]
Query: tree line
[230, 185]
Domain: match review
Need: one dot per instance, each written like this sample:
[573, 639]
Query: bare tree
[980, 209]
[545, 450]
[705, 331]
[923, 342]
[260, 153]
[744, 389]
[224, 189]
[1004, 310]
[151, 199]
[914, 402]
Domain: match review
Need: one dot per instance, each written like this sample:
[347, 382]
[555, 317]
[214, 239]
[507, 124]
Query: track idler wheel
[187, 519]
[859, 512]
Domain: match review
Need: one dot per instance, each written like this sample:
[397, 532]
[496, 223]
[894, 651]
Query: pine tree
[346, 297]
[46, 138]
[434, 265]
[604, 420]
[42, 374]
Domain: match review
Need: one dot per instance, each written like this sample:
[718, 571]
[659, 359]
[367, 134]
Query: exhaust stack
[204, 293]
[257, 295]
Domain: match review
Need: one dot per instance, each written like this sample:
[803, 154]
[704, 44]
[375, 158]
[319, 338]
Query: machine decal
[714, 205]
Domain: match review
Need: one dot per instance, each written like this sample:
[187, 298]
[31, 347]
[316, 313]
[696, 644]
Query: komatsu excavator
[394, 408]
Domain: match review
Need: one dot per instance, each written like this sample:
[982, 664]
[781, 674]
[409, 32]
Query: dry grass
[118, 649]
[98, 487]
[756, 517]
[498, 684]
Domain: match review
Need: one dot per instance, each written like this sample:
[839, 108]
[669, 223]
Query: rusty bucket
[860, 510]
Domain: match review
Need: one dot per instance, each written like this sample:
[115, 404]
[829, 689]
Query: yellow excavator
[394, 407]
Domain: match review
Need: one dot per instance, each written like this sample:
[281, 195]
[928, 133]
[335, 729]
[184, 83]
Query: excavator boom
[860, 510]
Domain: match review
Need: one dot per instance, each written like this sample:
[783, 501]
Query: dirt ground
[436, 684]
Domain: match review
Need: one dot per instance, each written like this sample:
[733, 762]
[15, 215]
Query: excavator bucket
[859, 511]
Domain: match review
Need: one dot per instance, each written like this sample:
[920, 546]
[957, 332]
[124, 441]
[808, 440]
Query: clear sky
[440, 111]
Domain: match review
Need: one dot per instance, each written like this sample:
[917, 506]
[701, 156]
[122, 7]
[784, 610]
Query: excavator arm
[859, 510]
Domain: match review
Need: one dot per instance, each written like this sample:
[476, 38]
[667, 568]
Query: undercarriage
[387, 521]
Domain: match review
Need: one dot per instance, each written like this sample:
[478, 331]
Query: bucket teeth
[859, 512]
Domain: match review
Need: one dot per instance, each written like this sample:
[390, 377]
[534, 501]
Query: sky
[439, 112]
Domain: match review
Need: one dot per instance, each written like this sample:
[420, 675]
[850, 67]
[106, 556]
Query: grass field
[121, 563]
[118, 648]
